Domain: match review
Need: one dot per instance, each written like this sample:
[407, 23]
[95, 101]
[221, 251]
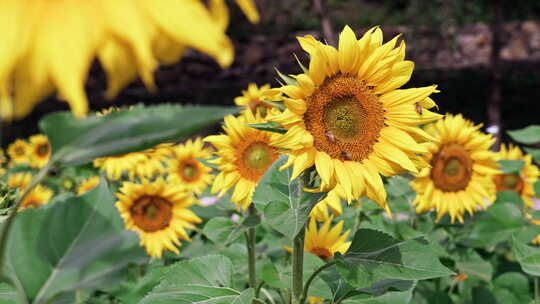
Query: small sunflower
[253, 99]
[332, 202]
[462, 168]
[186, 170]
[325, 242]
[40, 151]
[40, 195]
[158, 212]
[19, 152]
[116, 165]
[87, 185]
[244, 155]
[347, 117]
[19, 180]
[523, 182]
[315, 300]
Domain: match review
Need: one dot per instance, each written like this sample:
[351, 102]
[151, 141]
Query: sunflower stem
[536, 296]
[298, 267]
[9, 220]
[251, 243]
[312, 277]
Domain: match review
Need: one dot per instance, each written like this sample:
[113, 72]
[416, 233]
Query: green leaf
[528, 135]
[528, 257]
[535, 153]
[473, 265]
[287, 79]
[495, 225]
[508, 196]
[274, 278]
[8, 294]
[511, 288]
[513, 166]
[76, 243]
[269, 126]
[376, 256]
[134, 291]
[78, 141]
[201, 280]
[285, 204]
[482, 295]
[537, 188]
[223, 230]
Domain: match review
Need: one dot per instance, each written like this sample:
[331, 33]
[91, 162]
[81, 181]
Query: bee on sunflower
[253, 99]
[186, 170]
[522, 182]
[244, 155]
[159, 212]
[19, 152]
[460, 178]
[40, 151]
[347, 117]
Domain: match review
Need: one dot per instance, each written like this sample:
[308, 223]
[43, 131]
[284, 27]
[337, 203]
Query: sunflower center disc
[258, 156]
[43, 150]
[323, 253]
[512, 182]
[19, 151]
[189, 171]
[257, 105]
[344, 117]
[452, 168]
[151, 213]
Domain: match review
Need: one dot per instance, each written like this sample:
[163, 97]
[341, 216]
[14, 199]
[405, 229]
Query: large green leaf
[511, 288]
[496, 224]
[205, 280]
[76, 243]
[285, 204]
[527, 256]
[528, 135]
[8, 294]
[511, 166]
[472, 264]
[222, 230]
[376, 256]
[78, 141]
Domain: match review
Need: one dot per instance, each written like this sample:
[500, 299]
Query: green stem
[298, 267]
[312, 277]
[536, 293]
[251, 241]
[9, 220]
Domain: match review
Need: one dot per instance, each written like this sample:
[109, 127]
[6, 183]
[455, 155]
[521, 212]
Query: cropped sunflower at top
[521, 183]
[253, 99]
[19, 152]
[347, 117]
[40, 151]
[327, 240]
[244, 155]
[460, 178]
[129, 38]
[186, 170]
[158, 212]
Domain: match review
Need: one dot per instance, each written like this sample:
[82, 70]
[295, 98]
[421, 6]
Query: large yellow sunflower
[87, 185]
[186, 170]
[19, 152]
[253, 99]
[51, 44]
[159, 212]
[523, 182]
[347, 117]
[244, 155]
[325, 242]
[462, 168]
[40, 151]
[40, 195]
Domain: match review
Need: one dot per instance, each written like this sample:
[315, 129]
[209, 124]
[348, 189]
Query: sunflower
[158, 212]
[244, 155]
[462, 168]
[40, 151]
[87, 185]
[253, 99]
[116, 165]
[2, 162]
[315, 300]
[521, 183]
[347, 117]
[186, 170]
[40, 195]
[332, 202]
[19, 152]
[325, 242]
[19, 180]
[128, 37]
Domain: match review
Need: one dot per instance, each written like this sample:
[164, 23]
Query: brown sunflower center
[511, 182]
[189, 170]
[254, 158]
[452, 168]
[43, 149]
[257, 105]
[345, 118]
[323, 253]
[19, 151]
[151, 213]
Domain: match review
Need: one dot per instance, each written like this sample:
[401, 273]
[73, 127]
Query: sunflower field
[340, 183]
